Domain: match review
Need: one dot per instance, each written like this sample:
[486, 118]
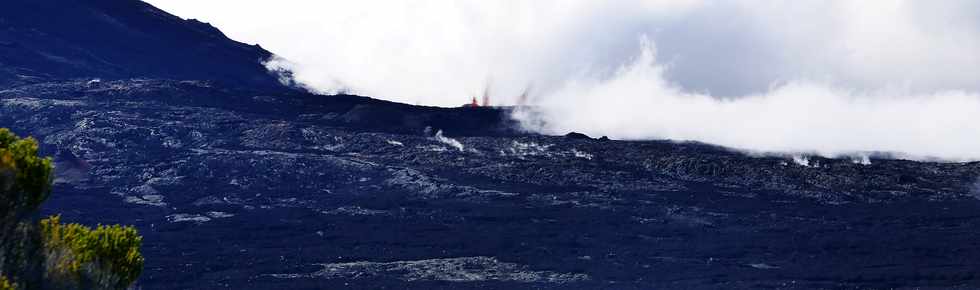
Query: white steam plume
[637, 103]
[829, 77]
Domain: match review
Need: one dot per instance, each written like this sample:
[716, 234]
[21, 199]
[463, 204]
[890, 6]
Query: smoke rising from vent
[826, 77]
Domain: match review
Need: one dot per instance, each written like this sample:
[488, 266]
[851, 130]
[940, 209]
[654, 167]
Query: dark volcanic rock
[234, 189]
[577, 136]
[41, 40]
[238, 183]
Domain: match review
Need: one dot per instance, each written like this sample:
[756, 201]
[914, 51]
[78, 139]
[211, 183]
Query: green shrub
[25, 178]
[6, 285]
[108, 256]
[73, 256]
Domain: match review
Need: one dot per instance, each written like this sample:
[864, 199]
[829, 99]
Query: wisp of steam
[822, 77]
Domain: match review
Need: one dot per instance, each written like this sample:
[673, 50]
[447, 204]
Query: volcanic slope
[238, 182]
[265, 191]
[46, 40]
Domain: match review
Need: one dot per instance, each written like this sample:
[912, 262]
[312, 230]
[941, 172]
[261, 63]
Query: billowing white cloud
[824, 76]
[637, 103]
[439, 52]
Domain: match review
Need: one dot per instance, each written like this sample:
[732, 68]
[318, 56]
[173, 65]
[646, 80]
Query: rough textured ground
[244, 191]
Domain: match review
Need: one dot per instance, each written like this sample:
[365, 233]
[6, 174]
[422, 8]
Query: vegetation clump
[6, 285]
[48, 254]
[107, 256]
[25, 178]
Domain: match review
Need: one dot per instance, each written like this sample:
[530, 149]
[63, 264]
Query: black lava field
[236, 182]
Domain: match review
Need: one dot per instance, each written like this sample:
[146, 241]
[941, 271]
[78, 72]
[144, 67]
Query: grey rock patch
[219, 214]
[763, 266]
[463, 269]
[145, 190]
[149, 199]
[186, 217]
[354, 211]
[424, 186]
[582, 154]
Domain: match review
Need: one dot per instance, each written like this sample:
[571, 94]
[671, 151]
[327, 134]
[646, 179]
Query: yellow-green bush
[6, 285]
[25, 178]
[71, 256]
[107, 255]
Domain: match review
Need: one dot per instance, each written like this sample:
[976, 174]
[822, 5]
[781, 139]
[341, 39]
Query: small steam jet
[521, 100]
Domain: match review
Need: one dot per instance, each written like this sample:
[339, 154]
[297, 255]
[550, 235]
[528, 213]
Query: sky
[823, 77]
